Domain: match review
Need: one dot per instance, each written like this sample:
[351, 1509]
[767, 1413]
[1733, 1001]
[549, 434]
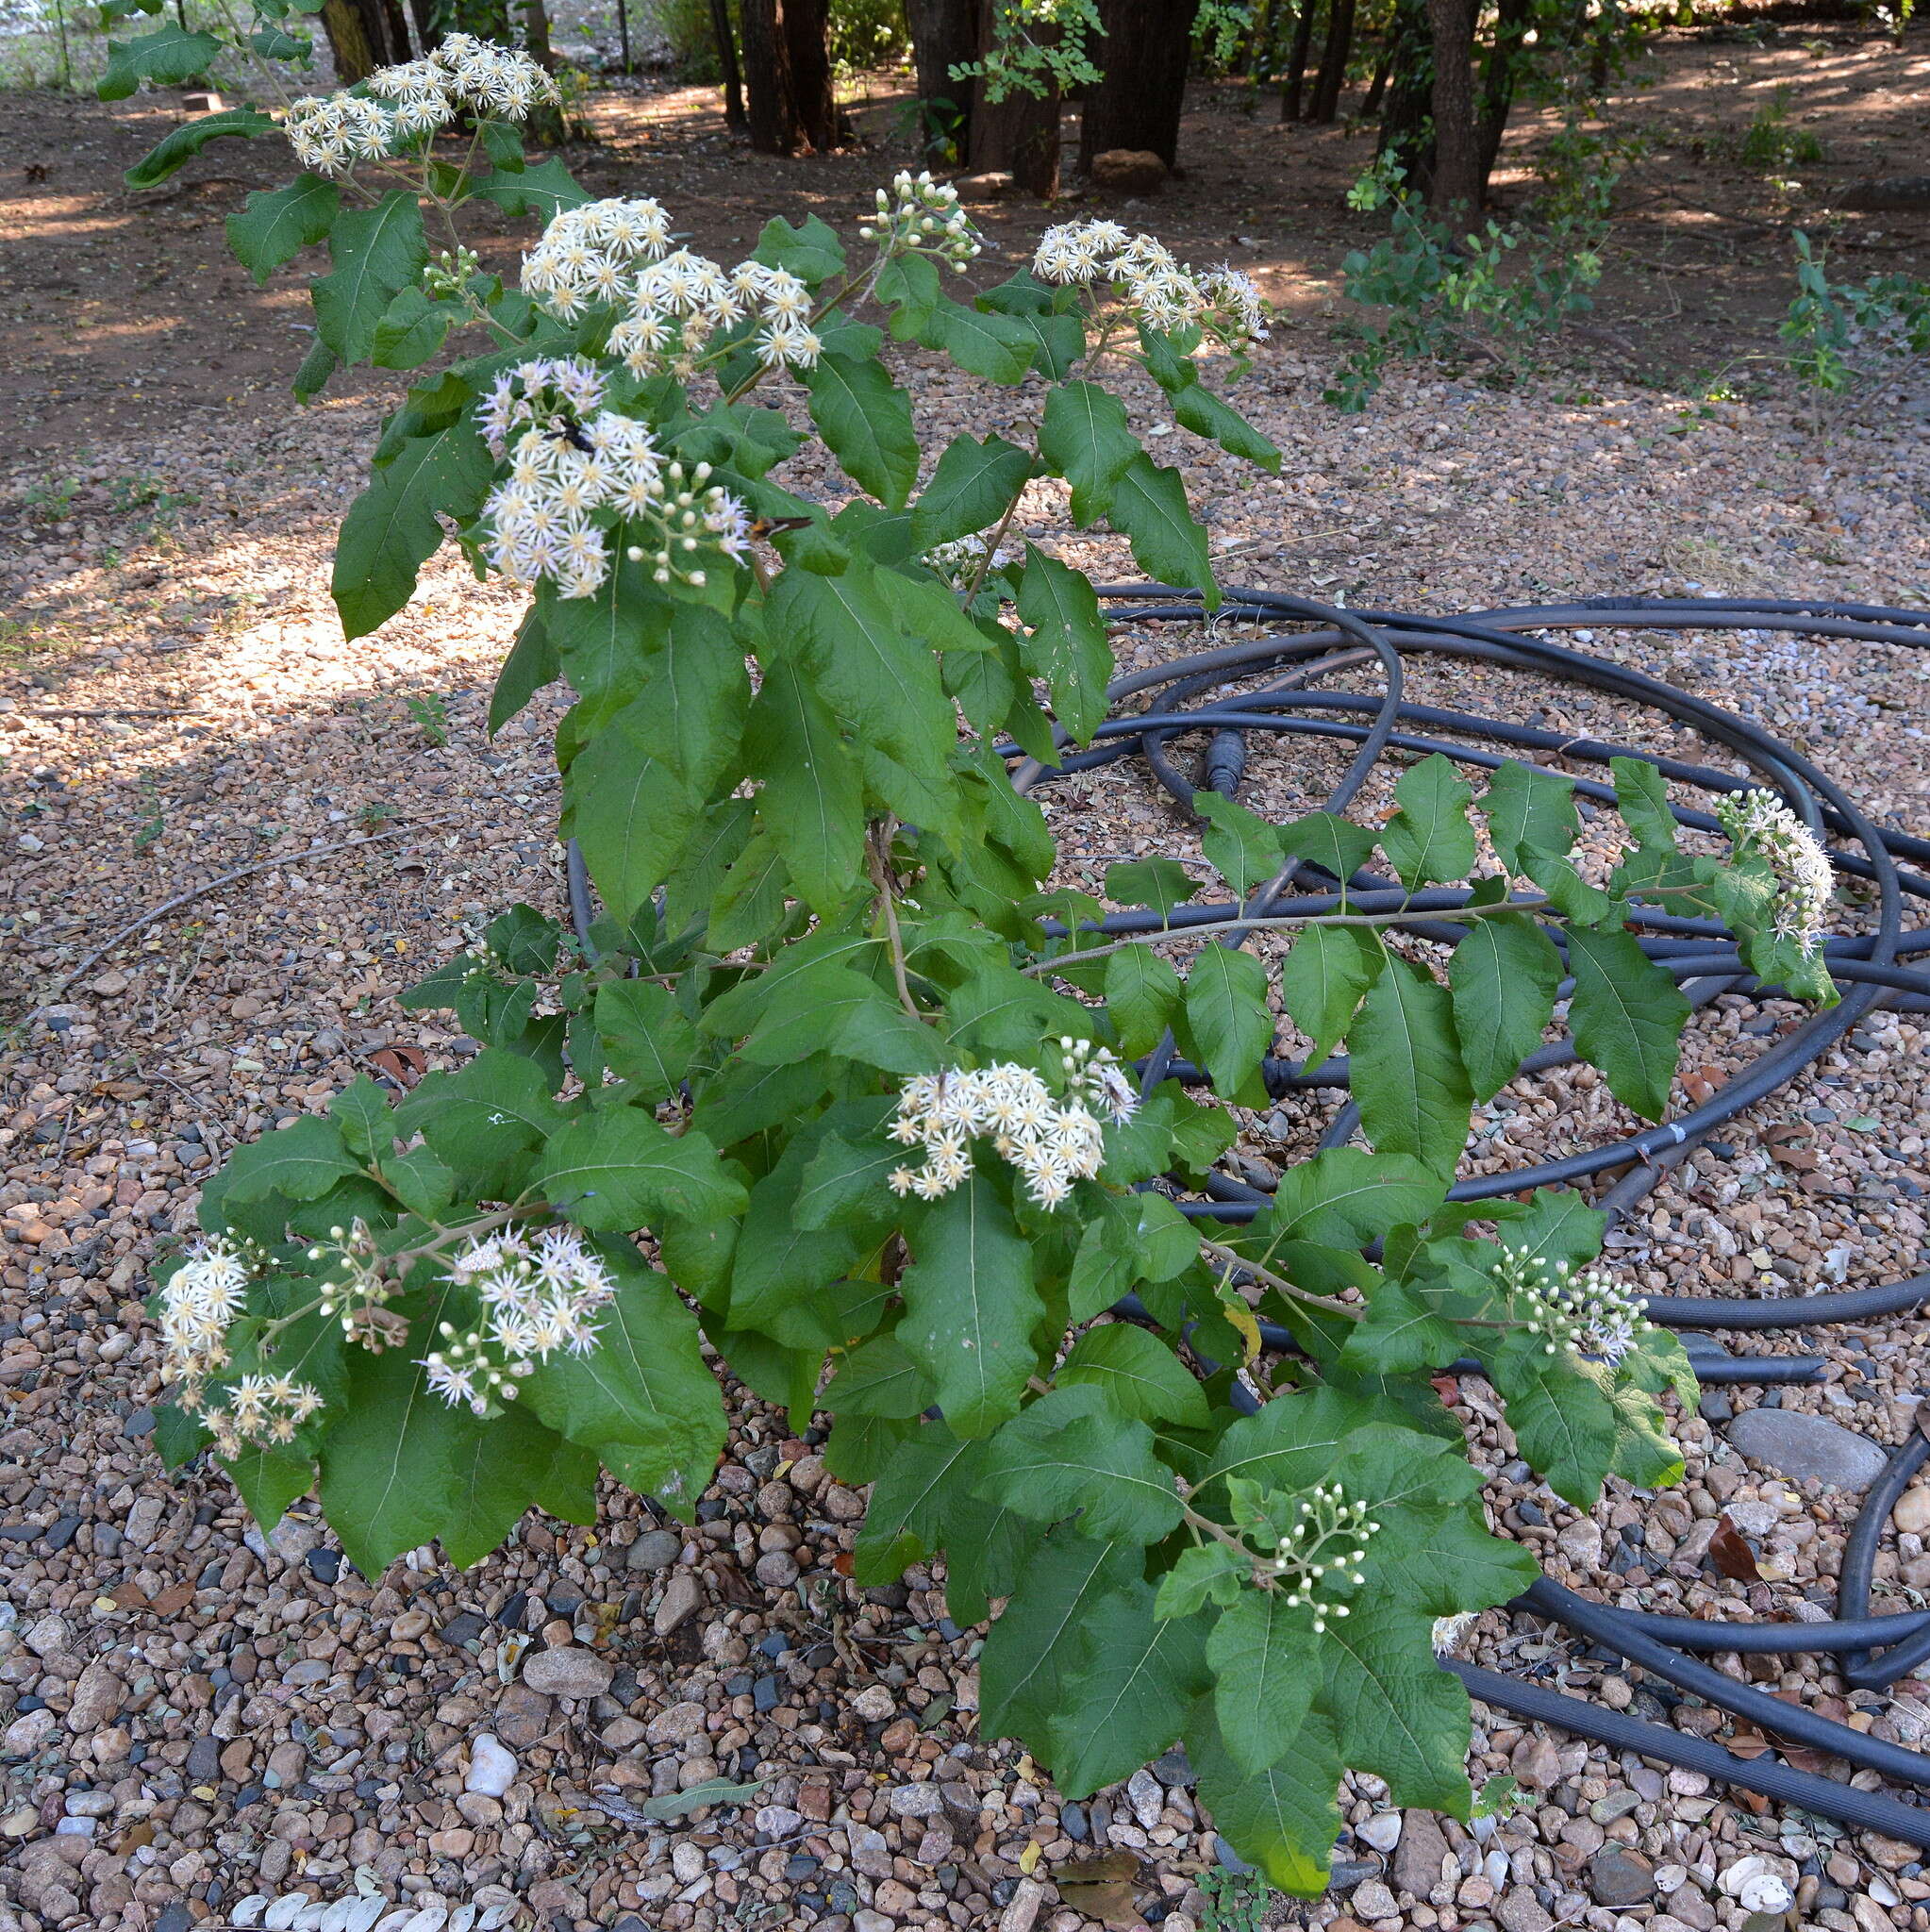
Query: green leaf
[542, 190]
[1196, 408]
[908, 285]
[411, 331]
[1558, 1225]
[1143, 995]
[915, 1494]
[995, 346]
[845, 1180]
[642, 1399]
[1125, 1702]
[1242, 847]
[1136, 1372]
[1160, 883]
[1412, 1091]
[167, 56]
[878, 1377]
[392, 527]
[1085, 438]
[363, 1112]
[1325, 839]
[1202, 1573]
[312, 377]
[1347, 1198]
[299, 1162]
[532, 663]
[1323, 980]
[1266, 1674]
[270, 1478]
[631, 816]
[274, 225]
[376, 251]
[1559, 1409]
[1226, 1014]
[606, 643]
[499, 1469]
[1040, 1637]
[812, 252]
[485, 1120]
[865, 419]
[1071, 1454]
[812, 803]
[1504, 977]
[1627, 1015]
[969, 491]
[179, 146]
[1642, 794]
[690, 713]
[1429, 840]
[1530, 814]
[1067, 646]
[619, 1170]
[970, 1305]
[645, 1036]
[1284, 1820]
[1149, 506]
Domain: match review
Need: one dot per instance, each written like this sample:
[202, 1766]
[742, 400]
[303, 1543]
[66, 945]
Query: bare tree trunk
[1295, 76]
[1144, 57]
[771, 113]
[1377, 88]
[1405, 122]
[355, 36]
[944, 35]
[1498, 77]
[1455, 190]
[726, 61]
[1333, 74]
[818, 120]
[1018, 135]
[396, 21]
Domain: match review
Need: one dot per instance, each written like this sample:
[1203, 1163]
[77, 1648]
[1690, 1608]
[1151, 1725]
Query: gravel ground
[195, 1712]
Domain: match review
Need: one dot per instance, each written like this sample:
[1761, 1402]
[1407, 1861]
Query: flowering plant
[838, 1095]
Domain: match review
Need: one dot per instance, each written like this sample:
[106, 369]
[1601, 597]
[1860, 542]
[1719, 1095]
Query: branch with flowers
[838, 1093]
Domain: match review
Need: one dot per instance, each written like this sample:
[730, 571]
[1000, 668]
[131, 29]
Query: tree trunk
[358, 37]
[1295, 75]
[432, 21]
[944, 35]
[396, 21]
[1143, 58]
[1332, 77]
[726, 61]
[1377, 88]
[1455, 190]
[770, 110]
[535, 34]
[1498, 76]
[1019, 135]
[817, 118]
[1405, 126]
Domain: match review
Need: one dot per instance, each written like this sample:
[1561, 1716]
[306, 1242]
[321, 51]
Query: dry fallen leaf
[1101, 1888]
[1729, 1551]
[405, 1065]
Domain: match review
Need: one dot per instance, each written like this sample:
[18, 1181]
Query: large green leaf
[1267, 1669]
[1228, 1015]
[1559, 1409]
[997, 347]
[1503, 978]
[619, 1170]
[970, 1305]
[1143, 995]
[413, 328]
[540, 191]
[392, 527]
[1196, 408]
[1071, 1453]
[1429, 840]
[689, 714]
[630, 814]
[813, 796]
[608, 643]
[1242, 847]
[167, 56]
[376, 251]
[1408, 1081]
[1149, 506]
[1323, 980]
[1067, 644]
[969, 491]
[1347, 1198]
[643, 1398]
[865, 419]
[497, 1471]
[1283, 1820]
[645, 1036]
[1530, 814]
[1126, 1701]
[532, 663]
[1137, 1374]
[274, 225]
[486, 1119]
[179, 145]
[1627, 1017]
[1086, 439]
[300, 1163]
[915, 1494]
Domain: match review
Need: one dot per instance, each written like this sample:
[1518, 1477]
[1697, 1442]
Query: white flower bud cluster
[260, 1408]
[1327, 1539]
[1587, 1314]
[197, 1303]
[363, 1286]
[449, 274]
[396, 107]
[1144, 276]
[922, 216]
[959, 562]
[1760, 823]
[539, 1295]
[1053, 1141]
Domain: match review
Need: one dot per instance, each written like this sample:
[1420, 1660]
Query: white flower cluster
[1589, 1313]
[618, 254]
[1760, 822]
[960, 560]
[1053, 1141]
[922, 216]
[1328, 1537]
[197, 1303]
[364, 1287]
[330, 133]
[260, 1408]
[540, 1295]
[1148, 279]
[573, 477]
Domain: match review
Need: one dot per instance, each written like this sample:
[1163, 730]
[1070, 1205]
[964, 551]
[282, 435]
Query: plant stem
[881, 876]
[1232, 1257]
[984, 569]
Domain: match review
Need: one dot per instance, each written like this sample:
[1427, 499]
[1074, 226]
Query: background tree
[789, 106]
[1144, 57]
[944, 35]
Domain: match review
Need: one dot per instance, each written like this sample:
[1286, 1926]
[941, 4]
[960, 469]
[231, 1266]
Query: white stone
[874, 1703]
[1912, 1513]
[1146, 1796]
[686, 1861]
[1765, 1892]
[1382, 1831]
[492, 1769]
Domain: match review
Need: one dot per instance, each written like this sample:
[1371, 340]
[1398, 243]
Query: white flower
[1589, 1313]
[1760, 823]
[1144, 277]
[922, 216]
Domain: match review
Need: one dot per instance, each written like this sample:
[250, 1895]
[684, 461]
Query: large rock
[1619, 1877]
[1129, 171]
[1418, 1857]
[1806, 1446]
[568, 1671]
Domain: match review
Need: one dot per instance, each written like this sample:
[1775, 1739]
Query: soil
[124, 302]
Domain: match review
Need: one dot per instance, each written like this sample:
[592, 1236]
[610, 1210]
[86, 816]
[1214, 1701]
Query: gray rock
[654, 1550]
[870, 1854]
[568, 1671]
[97, 1697]
[915, 1801]
[1145, 1796]
[1373, 1901]
[1519, 1910]
[676, 1726]
[1806, 1446]
[1382, 1831]
[1418, 1858]
[682, 1600]
[523, 1717]
[1619, 1877]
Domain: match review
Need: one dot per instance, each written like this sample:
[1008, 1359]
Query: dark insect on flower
[776, 526]
[563, 430]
